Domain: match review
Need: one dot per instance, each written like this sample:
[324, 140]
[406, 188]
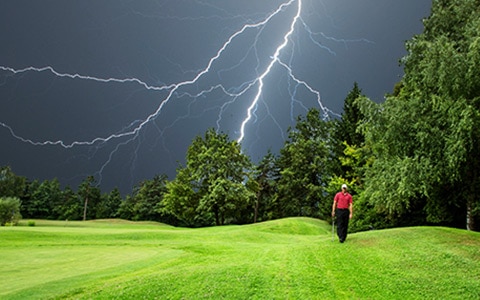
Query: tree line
[411, 160]
[218, 184]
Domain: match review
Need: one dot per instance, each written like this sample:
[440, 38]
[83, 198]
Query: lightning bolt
[275, 58]
[172, 88]
[179, 89]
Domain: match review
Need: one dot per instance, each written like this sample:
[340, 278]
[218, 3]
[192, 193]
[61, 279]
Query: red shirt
[343, 200]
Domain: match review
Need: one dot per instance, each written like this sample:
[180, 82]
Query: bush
[9, 210]
[31, 223]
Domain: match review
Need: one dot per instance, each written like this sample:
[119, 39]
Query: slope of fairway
[292, 258]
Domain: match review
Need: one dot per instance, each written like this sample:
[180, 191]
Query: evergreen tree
[346, 130]
[350, 153]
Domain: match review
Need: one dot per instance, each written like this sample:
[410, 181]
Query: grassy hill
[292, 258]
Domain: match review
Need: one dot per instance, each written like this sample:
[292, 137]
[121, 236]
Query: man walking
[343, 208]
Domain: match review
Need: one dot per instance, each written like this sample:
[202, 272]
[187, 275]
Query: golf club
[333, 229]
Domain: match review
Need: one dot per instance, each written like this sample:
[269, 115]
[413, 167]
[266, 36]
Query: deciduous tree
[109, 204]
[306, 167]
[425, 138]
[90, 194]
[11, 185]
[266, 176]
[214, 186]
[9, 210]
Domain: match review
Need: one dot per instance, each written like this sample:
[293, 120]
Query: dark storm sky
[112, 88]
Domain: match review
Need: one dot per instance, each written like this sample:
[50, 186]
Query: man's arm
[333, 207]
[350, 208]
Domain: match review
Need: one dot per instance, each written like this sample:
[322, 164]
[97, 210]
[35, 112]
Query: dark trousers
[343, 216]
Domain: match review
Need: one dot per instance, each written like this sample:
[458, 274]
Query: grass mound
[300, 226]
[292, 258]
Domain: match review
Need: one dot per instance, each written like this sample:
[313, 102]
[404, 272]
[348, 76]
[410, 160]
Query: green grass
[292, 258]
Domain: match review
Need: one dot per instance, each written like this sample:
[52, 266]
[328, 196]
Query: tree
[215, 186]
[443, 65]
[71, 207]
[9, 210]
[348, 138]
[148, 197]
[27, 209]
[425, 137]
[11, 185]
[44, 198]
[306, 168]
[182, 199]
[109, 204]
[125, 210]
[346, 129]
[266, 175]
[90, 193]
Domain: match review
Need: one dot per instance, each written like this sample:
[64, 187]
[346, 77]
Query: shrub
[31, 223]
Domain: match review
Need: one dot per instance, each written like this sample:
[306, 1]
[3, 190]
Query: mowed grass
[292, 258]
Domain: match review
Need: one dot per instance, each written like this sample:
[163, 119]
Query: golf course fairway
[293, 258]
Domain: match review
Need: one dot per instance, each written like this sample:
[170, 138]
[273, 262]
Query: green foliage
[346, 129]
[266, 175]
[226, 199]
[214, 186]
[89, 192]
[181, 199]
[355, 161]
[366, 216]
[11, 185]
[146, 203]
[9, 210]
[444, 59]
[44, 200]
[109, 205]
[125, 209]
[348, 139]
[147, 196]
[306, 166]
[71, 207]
[353, 158]
[424, 138]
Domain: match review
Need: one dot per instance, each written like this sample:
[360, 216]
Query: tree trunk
[85, 209]
[473, 188]
[470, 217]
[86, 204]
[256, 208]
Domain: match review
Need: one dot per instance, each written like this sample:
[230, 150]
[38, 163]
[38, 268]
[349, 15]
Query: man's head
[344, 187]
